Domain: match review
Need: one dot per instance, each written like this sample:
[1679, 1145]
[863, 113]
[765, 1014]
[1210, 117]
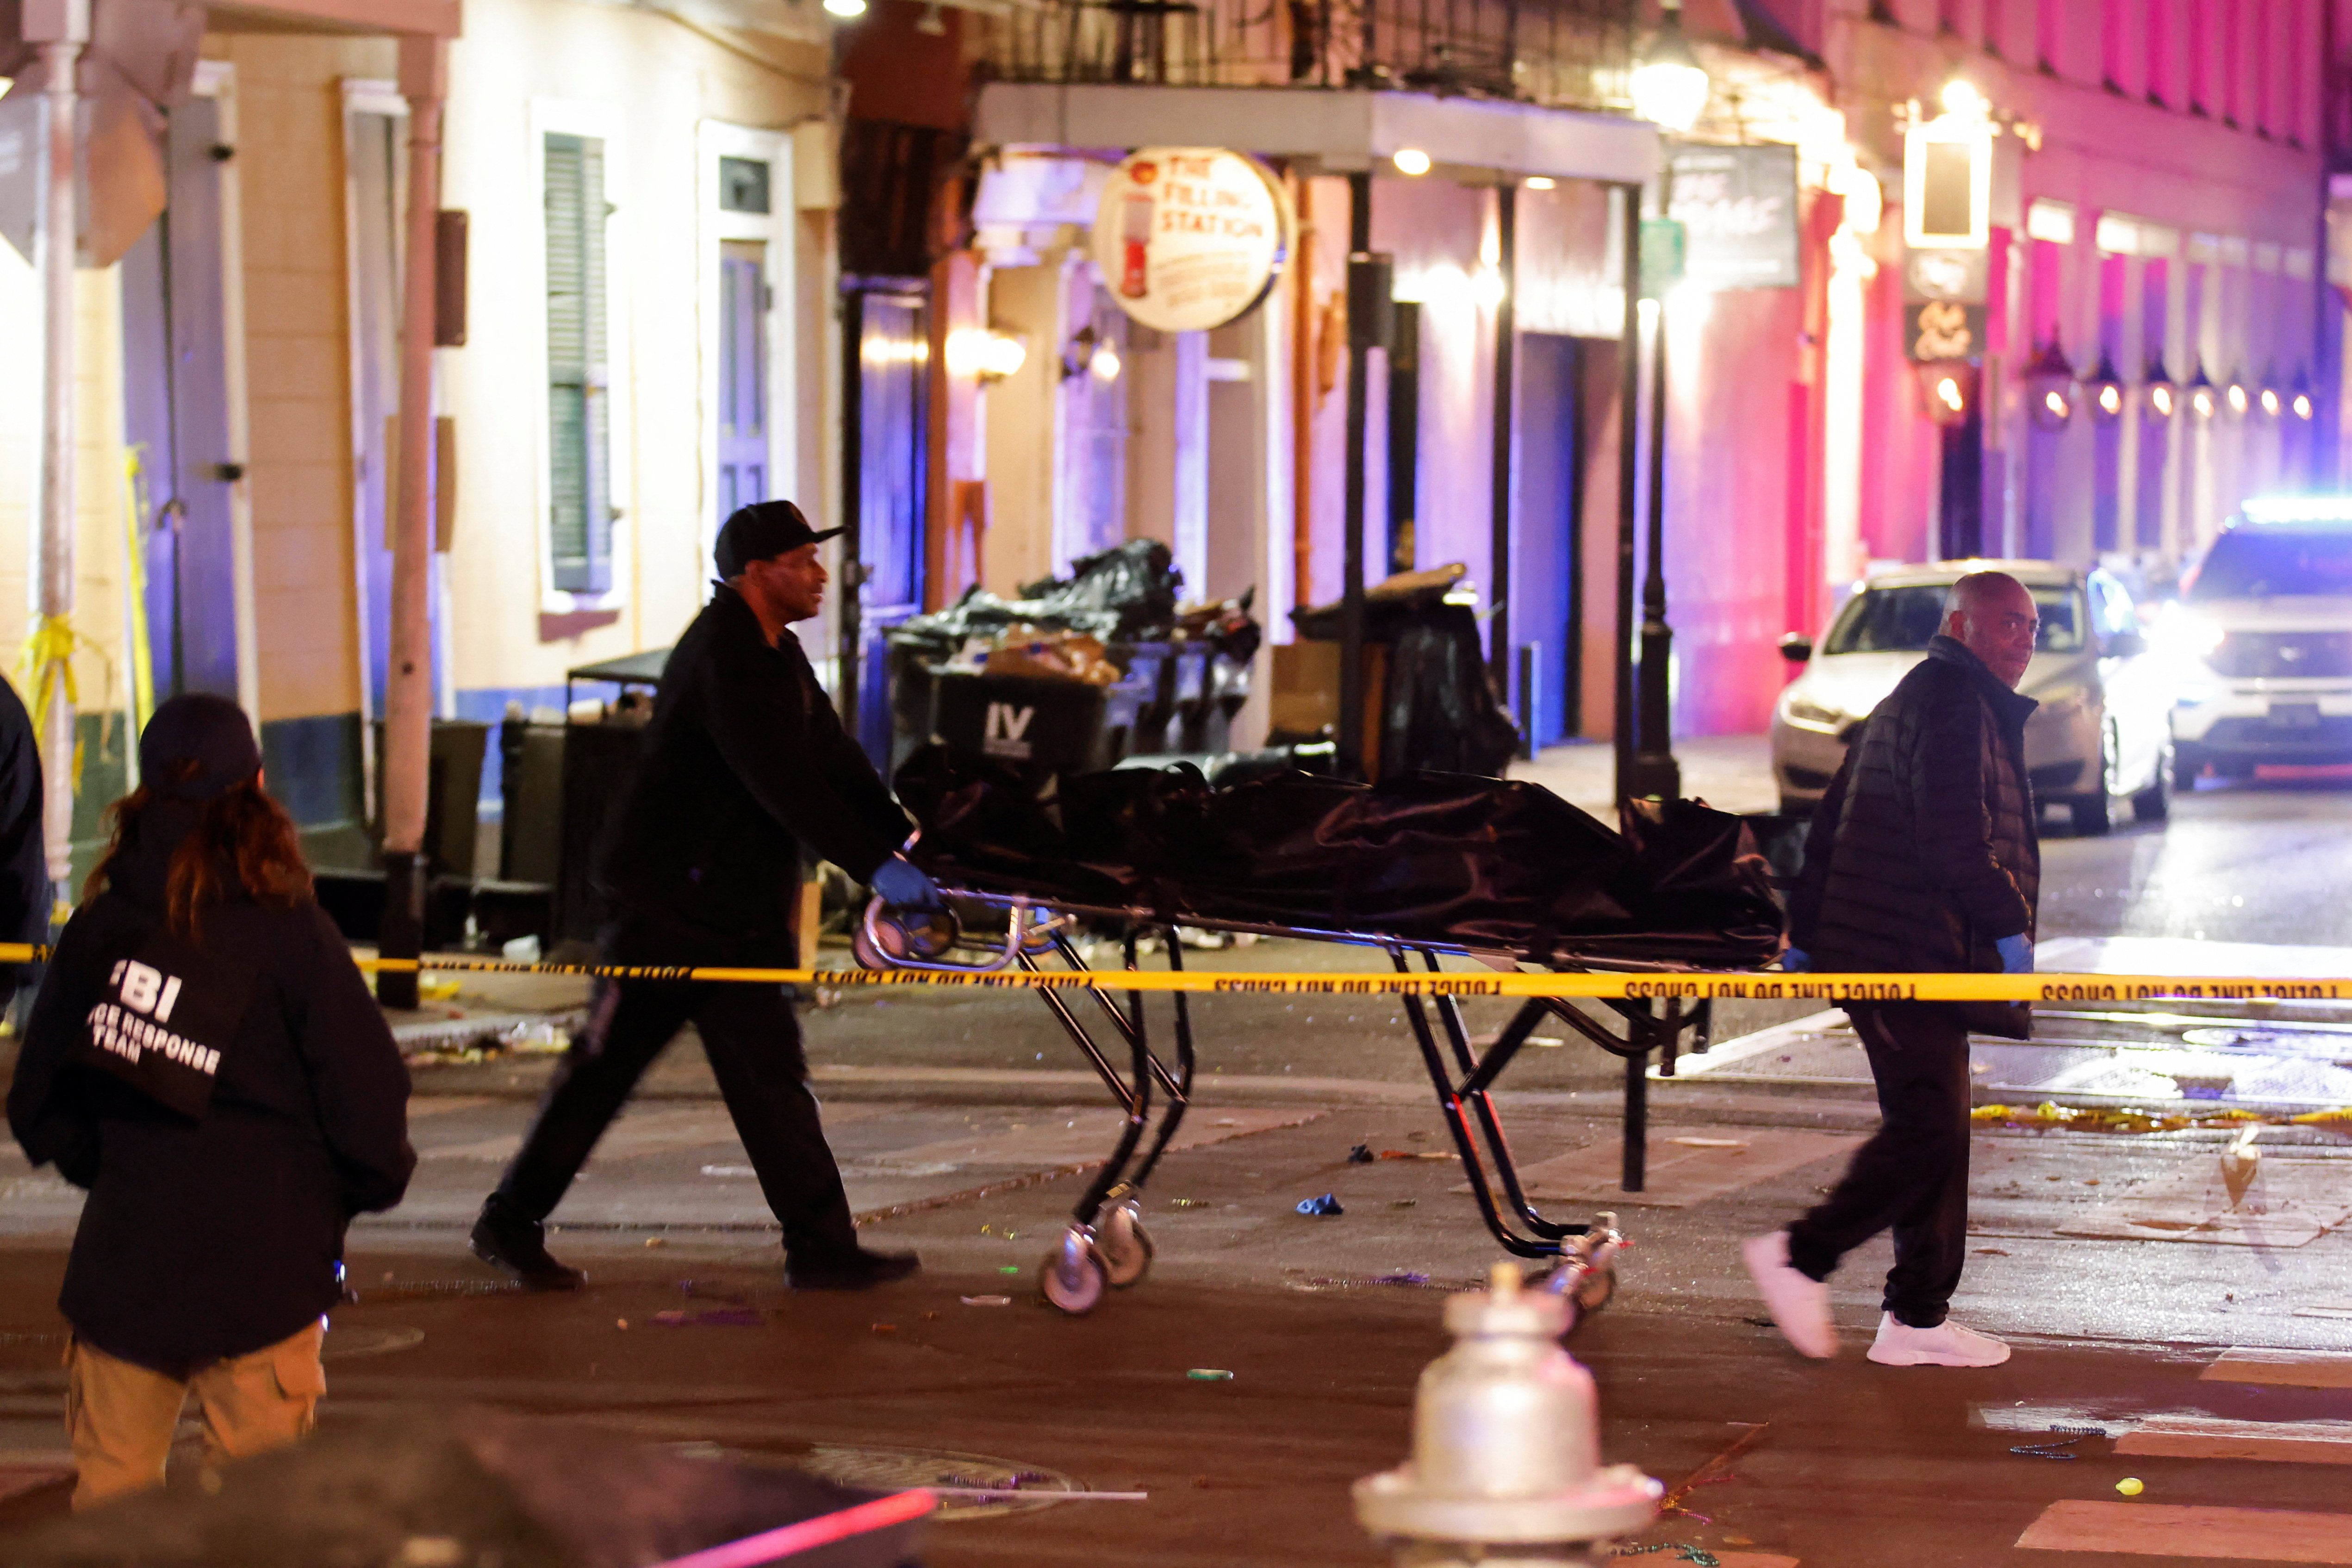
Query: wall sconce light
[2049, 387]
[2236, 397]
[2300, 403]
[2106, 390]
[1002, 354]
[2202, 399]
[1089, 351]
[1947, 389]
[2163, 398]
[1410, 161]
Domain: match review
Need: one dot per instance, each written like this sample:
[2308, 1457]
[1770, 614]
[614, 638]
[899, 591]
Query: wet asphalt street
[2163, 1335]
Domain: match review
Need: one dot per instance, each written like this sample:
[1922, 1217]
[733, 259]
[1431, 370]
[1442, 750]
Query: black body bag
[166, 1011]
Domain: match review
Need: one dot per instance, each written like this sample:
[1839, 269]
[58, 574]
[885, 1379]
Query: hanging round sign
[1191, 238]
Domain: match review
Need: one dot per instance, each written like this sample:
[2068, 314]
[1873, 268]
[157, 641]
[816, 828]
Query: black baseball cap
[761, 531]
[210, 731]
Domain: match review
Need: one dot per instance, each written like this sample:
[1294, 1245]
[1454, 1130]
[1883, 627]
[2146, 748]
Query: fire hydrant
[1506, 1469]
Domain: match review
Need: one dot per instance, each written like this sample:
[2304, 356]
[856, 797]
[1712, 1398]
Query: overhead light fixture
[2300, 403]
[1104, 363]
[2162, 397]
[1540, 182]
[2270, 401]
[1947, 389]
[1670, 86]
[844, 9]
[2237, 397]
[1410, 161]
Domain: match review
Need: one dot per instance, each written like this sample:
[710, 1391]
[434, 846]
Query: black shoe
[505, 1238]
[860, 1270]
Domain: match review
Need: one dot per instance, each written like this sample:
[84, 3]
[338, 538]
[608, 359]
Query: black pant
[754, 1046]
[1913, 1174]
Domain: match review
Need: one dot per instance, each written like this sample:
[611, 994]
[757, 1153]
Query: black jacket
[213, 1238]
[744, 762]
[1924, 853]
[24, 864]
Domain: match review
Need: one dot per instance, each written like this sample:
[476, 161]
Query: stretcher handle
[1016, 939]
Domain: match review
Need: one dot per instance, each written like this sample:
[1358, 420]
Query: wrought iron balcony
[1569, 54]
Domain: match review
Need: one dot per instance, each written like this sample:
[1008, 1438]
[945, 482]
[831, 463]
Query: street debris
[1009, 1269]
[1325, 1206]
[1402, 1203]
[2241, 1163]
[1415, 1154]
[1710, 1143]
[1209, 1375]
[2130, 1486]
[886, 1328]
[987, 1300]
[656, 1241]
[711, 1317]
[620, 1322]
[1187, 1203]
[1685, 1553]
[2057, 1450]
[1361, 1154]
[2130, 1118]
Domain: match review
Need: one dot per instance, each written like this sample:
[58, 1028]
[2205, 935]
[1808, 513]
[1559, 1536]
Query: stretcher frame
[1106, 1244]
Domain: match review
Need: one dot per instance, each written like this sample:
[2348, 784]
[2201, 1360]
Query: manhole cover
[348, 1344]
[887, 1469]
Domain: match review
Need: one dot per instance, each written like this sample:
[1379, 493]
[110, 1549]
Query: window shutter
[579, 402]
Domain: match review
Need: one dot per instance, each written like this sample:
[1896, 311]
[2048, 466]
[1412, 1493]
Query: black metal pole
[1655, 772]
[1506, 345]
[2321, 455]
[1362, 332]
[1629, 411]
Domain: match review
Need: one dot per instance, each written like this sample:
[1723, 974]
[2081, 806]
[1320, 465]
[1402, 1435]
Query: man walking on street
[744, 762]
[1922, 858]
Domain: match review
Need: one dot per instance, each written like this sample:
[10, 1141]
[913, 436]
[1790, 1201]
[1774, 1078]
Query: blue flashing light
[2260, 510]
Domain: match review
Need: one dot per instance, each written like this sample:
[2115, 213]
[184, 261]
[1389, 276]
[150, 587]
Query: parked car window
[1901, 620]
[2250, 563]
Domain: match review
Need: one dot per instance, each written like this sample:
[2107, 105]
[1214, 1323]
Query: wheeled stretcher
[1106, 1244]
[1420, 867]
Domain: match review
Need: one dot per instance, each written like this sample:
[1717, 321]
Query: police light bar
[2299, 509]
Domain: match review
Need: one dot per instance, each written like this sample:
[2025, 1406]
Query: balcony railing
[1567, 54]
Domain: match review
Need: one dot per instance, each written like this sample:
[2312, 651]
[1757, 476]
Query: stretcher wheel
[1072, 1277]
[1596, 1289]
[1125, 1247]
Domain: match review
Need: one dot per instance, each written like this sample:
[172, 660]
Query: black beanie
[213, 731]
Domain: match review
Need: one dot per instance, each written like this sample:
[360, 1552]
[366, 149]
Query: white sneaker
[1800, 1307]
[1946, 1345]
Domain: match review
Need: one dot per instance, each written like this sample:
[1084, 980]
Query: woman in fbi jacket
[205, 1059]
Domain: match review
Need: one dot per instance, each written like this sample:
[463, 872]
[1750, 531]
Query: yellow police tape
[1755, 986]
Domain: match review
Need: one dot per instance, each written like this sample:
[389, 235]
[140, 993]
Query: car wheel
[2094, 812]
[2154, 803]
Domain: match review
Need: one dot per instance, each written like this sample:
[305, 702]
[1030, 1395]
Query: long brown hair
[242, 835]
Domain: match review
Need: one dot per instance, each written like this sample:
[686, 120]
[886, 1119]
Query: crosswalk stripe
[2212, 1437]
[2211, 1534]
[2298, 1369]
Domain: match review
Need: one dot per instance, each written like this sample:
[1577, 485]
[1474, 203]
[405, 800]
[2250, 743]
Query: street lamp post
[1670, 89]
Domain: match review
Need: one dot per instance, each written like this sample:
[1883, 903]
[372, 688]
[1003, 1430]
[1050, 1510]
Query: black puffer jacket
[1924, 853]
[212, 1239]
[745, 762]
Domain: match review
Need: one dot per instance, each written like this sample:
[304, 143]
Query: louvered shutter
[579, 405]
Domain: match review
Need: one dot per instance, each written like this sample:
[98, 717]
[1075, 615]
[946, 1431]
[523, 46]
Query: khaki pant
[120, 1416]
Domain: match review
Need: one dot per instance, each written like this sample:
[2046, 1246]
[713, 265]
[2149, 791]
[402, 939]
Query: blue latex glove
[1796, 960]
[898, 884]
[2016, 954]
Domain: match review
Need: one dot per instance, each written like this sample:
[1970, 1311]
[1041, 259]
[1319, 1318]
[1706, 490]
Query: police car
[2262, 640]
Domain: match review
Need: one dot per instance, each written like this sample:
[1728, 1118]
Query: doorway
[889, 377]
[1546, 674]
[176, 416]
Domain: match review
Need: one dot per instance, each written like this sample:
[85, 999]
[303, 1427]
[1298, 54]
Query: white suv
[2262, 638]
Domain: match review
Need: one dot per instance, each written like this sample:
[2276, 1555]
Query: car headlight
[1807, 714]
[2064, 702]
[2193, 634]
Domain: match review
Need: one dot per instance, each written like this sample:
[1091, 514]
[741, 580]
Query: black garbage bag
[460, 1486]
[1425, 856]
[1121, 593]
[1440, 714]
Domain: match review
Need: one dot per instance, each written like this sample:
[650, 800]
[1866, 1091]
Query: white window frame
[571, 117]
[714, 139]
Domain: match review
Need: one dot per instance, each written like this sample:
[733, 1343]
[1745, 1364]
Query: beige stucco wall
[660, 80]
